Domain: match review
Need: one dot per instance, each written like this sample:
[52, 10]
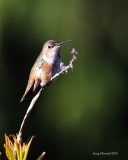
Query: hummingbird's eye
[49, 46]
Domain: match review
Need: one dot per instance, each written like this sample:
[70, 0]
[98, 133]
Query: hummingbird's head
[51, 50]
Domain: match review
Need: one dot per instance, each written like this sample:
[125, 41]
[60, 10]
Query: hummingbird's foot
[62, 66]
[42, 84]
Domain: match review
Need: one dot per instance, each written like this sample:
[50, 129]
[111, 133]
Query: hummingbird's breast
[46, 72]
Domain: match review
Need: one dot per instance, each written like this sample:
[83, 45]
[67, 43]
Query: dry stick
[35, 98]
[27, 113]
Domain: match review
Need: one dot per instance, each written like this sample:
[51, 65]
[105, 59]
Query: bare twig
[27, 113]
[35, 98]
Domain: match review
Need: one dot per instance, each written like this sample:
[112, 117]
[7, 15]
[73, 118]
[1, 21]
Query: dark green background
[84, 111]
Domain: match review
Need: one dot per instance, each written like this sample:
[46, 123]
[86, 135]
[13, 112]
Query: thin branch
[35, 98]
[27, 113]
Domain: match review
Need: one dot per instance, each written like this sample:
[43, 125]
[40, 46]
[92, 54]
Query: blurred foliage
[84, 111]
[16, 150]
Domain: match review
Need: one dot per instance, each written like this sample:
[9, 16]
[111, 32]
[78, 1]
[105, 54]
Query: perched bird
[47, 65]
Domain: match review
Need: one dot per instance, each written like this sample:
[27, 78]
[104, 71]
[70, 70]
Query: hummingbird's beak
[60, 43]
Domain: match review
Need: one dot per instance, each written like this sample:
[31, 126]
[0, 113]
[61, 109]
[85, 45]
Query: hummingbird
[47, 64]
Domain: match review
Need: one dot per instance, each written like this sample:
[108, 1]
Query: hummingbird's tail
[28, 89]
[32, 87]
[22, 99]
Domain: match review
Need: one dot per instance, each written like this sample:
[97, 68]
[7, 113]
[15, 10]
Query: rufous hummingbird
[47, 64]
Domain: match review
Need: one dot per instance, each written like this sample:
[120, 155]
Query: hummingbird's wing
[34, 79]
[33, 84]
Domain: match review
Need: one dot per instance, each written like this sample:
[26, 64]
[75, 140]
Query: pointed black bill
[64, 42]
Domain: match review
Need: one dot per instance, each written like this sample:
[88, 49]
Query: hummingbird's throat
[51, 57]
